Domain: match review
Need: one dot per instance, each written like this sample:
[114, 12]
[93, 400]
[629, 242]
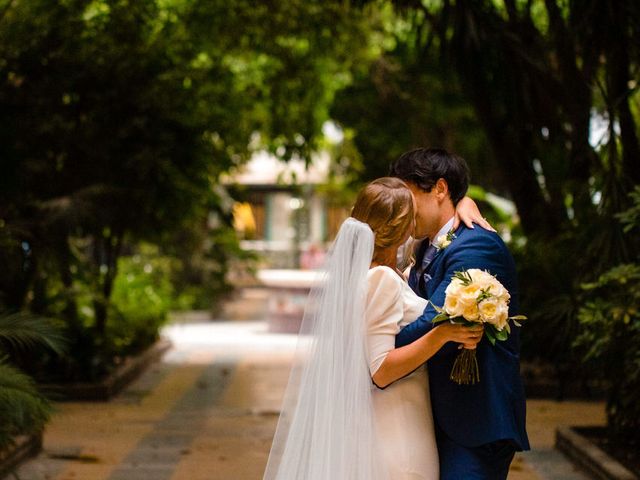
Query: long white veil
[326, 429]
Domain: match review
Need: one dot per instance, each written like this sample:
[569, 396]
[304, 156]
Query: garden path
[208, 411]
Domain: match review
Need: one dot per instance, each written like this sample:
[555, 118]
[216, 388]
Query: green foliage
[284, 62]
[117, 119]
[631, 217]
[406, 98]
[141, 299]
[609, 339]
[24, 331]
[610, 343]
[512, 87]
[23, 409]
[516, 88]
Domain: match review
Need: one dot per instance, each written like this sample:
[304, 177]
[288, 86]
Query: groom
[478, 427]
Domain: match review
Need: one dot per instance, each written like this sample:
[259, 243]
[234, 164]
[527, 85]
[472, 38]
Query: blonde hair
[386, 205]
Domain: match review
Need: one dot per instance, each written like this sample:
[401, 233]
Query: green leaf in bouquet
[464, 277]
[463, 321]
[501, 335]
[484, 294]
[489, 333]
[436, 307]
[441, 317]
[515, 319]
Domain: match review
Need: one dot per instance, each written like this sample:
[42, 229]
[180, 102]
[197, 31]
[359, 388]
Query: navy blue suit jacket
[494, 408]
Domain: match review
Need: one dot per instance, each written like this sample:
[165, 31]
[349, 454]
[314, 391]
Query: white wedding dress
[334, 423]
[404, 422]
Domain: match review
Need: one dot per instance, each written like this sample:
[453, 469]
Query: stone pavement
[209, 409]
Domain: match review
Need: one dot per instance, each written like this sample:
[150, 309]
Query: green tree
[118, 118]
[523, 87]
[407, 98]
[534, 72]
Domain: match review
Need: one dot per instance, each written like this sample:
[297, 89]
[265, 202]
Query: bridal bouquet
[476, 296]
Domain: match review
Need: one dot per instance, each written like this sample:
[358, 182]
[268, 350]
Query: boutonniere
[443, 241]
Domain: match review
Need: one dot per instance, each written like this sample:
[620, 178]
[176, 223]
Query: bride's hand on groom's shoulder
[468, 212]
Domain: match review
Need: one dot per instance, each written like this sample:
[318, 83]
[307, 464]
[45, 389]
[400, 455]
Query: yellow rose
[488, 309]
[452, 305]
[469, 293]
[470, 311]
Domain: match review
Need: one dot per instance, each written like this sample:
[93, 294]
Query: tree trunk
[106, 254]
[576, 101]
[70, 311]
[508, 128]
[619, 76]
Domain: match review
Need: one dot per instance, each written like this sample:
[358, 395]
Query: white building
[285, 217]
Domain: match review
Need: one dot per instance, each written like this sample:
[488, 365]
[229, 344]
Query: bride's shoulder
[383, 274]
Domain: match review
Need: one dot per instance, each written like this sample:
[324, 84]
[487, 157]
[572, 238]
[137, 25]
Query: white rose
[505, 296]
[454, 287]
[442, 241]
[452, 298]
[483, 279]
[498, 289]
[475, 273]
[502, 316]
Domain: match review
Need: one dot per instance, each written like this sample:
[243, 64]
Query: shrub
[140, 302]
[610, 334]
[610, 343]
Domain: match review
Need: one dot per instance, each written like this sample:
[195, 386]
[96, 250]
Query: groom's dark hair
[425, 166]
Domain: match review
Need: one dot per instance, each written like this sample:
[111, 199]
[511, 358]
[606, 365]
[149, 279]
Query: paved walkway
[209, 409]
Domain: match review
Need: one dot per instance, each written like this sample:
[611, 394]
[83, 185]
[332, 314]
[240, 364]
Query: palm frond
[24, 331]
[23, 410]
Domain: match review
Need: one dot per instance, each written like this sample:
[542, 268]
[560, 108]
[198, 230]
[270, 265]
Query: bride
[356, 408]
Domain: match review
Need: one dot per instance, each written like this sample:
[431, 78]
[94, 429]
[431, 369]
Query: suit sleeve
[483, 252]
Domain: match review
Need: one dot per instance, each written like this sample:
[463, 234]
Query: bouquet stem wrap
[465, 368]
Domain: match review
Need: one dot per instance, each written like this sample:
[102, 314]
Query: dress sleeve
[383, 314]
[413, 306]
